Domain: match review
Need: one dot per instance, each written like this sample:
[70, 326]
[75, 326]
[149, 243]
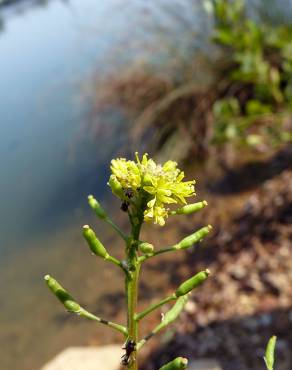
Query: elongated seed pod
[174, 312]
[194, 238]
[179, 363]
[270, 353]
[192, 283]
[94, 244]
[64, 297]
[145, 247]
[116, 187]
[190, 208]
[94, 204]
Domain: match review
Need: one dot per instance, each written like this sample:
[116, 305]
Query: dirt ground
[248, 297]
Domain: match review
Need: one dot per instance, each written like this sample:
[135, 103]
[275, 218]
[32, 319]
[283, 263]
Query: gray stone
[87, 358]
[204, 365]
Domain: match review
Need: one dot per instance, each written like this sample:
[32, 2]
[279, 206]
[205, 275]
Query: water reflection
[49, 162]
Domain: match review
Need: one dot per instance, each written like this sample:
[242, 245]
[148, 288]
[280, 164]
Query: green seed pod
[116, 187]
[179, 363]
[192, 283]
[145, 247]
[63, 296]
[194, 238]
[174, 312]
[94, 204]
[190, 208]
[94, 244]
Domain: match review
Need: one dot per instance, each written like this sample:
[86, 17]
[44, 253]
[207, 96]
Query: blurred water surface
[49, 54]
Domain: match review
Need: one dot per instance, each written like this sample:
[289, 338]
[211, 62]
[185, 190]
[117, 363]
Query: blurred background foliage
[232, 84]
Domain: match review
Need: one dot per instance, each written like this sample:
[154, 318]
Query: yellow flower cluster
[163, 184]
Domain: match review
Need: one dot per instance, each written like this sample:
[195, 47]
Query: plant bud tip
[210, 227]
[90, 196]
[185, 361]
[85, 227]
[205, 202]
[47, 277]
[208, 272]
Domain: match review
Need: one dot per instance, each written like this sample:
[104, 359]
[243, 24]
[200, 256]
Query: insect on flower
[129, 193]
[130, 347]
[125, 206]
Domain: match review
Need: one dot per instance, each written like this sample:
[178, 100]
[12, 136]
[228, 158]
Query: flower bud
[179, 363]
[63, 296]
[94, 244]
[194, 238]
[116, 187]
[145, 247]
[192, 283]
[190, 208]
[147, 179]
[94, 204]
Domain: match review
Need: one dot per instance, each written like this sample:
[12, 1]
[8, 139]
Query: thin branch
[155, 306]
[167, 319]
[116, 228]
[113, 325]
[165, 250]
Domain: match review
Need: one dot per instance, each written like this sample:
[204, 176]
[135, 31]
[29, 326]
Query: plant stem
[154, 306]
[113, 325]
[116, 228]
[132, 291]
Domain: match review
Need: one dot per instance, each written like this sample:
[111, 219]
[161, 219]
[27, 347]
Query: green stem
[161, 251]
[116, 262]
[154, 306]
[132, 290]
[113, 325]
[167, 319]
[116, 228]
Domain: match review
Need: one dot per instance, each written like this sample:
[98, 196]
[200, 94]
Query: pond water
[50, 160]
[50, 53]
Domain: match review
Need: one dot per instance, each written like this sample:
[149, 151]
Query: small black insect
[125, 206]
[129, 193]
[130, 347]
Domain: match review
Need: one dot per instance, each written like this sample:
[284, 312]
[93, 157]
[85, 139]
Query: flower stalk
[146, 190]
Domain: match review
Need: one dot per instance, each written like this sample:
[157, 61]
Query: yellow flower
[126, 172]
[160, 184]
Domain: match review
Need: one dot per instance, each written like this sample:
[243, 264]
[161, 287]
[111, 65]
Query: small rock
[87, 358]
[204, 365]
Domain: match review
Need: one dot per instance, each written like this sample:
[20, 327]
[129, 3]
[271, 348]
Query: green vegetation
[146, 190]
[257, 100]
[240, 94]
[270, 353]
